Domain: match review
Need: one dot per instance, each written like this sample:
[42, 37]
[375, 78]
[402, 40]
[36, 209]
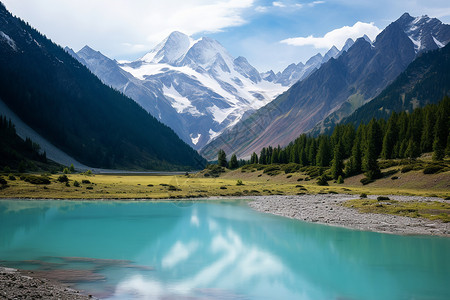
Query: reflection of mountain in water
[216, 250]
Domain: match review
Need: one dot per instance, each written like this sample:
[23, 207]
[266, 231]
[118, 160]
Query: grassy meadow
[254, 182]
[250, 180]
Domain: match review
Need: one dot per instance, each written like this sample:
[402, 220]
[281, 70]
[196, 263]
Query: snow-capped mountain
[297, 72]
[194, 86]
[426, 33]
[336, 89]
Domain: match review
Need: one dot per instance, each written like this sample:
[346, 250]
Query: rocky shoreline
[15, 284]
[327, 209]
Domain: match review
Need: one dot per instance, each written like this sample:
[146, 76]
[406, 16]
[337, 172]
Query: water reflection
[218, 251]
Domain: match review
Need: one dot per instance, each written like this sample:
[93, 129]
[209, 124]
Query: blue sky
[270, 34]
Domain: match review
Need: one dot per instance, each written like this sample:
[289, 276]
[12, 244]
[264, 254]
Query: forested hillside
[403, 135]
[426, 80]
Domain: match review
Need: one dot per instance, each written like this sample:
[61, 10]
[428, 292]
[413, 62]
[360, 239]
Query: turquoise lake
[216, 250]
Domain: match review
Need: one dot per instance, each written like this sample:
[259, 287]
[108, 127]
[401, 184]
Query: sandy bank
[327, 209]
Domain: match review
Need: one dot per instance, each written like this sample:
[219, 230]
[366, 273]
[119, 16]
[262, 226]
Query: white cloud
[278, 4]
[336, 37]
[106, 24]
[261, 9]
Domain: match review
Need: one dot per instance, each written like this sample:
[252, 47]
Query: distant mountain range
[336, 89]
[425, 81]
[195, 86]
[70, 107]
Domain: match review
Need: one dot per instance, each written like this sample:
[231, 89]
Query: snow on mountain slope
[426, 33]
[297, 72]
[208, 88]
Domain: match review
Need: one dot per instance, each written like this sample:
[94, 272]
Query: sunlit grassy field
[254, 182]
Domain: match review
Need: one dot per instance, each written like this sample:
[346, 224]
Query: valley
[229, 150]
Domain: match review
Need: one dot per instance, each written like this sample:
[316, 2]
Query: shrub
[322, 180]
[383, 198]
[432, 169]
[389, 173]
[289, 176]
[33, 179]
[66, 171]
[63, 178]
[85, 181]
[173, 188]
[366, 180]
[213, 171]
[7, 169]
[394, 177]
[272, 170]
[223, 187]
[340, 180]
[407, 168]
[67, 183]
[313, 171]
[150, 185]
[3, 181]
[387, 164]
[363, 195]
[239, 182]
[11, 177]
[76, 184]
[89, 188]
[300, 179]
[291, 168]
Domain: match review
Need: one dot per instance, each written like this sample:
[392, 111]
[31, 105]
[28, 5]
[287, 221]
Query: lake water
[215, 250]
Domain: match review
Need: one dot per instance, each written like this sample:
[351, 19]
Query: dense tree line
[15, 152]
[403, 135]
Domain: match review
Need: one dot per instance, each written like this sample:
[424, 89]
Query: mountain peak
[332, 53]
[170, 50]
[348, 43]
[88, 50]
[367, 39]
[426, 33]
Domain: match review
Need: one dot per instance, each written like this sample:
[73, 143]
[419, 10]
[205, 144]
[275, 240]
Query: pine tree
[441, 129]
[426, 143]
[312, 152]
[353, 166]
[413, 150]
[323, 157]
[337, 164]
[390, 137]
[222, 159]
[369, 163]
[234, 162]
[253, 158]
[263, 156]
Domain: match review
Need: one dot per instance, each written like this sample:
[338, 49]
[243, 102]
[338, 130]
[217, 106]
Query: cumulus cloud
[336, 37]
[118, 23]
[278, 4]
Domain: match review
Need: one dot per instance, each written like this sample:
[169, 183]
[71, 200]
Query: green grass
[430, 210]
